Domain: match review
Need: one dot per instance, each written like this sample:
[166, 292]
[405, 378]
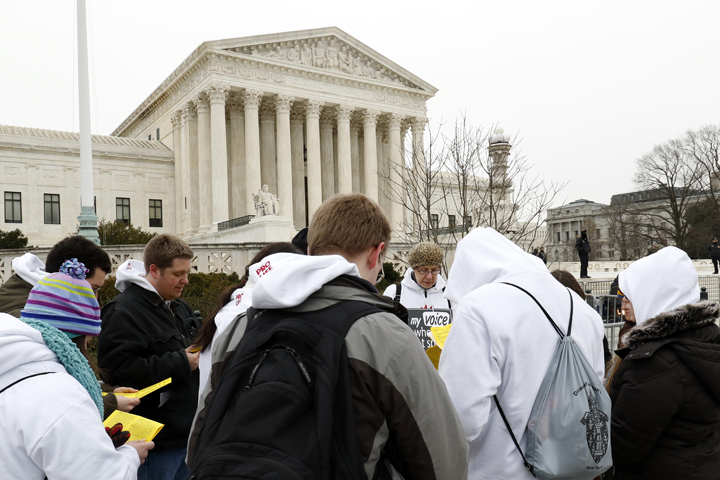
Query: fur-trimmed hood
[689, 334]
[668, 323]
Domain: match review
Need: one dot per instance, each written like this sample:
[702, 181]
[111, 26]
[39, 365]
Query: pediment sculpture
[329, 54]
[265, 202]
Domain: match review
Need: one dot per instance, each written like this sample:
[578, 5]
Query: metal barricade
[612, 332]
[598, 287]
[712, 286]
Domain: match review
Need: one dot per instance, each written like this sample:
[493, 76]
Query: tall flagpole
[88, 218]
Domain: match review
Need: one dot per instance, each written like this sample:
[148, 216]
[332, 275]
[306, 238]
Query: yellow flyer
[139, 427]
[434, 354]
[440, 334]
[146, 391]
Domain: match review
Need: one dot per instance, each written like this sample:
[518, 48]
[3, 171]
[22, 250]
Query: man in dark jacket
[29, 269]
[714, 250]
[146, 335]
[582, 245]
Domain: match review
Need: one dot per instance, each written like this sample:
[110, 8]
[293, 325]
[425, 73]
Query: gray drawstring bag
[569, 427]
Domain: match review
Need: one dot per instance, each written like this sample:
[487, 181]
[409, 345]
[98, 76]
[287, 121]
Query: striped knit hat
[65, 301]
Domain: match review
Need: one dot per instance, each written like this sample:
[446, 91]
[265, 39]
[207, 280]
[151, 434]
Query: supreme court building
[308, 113]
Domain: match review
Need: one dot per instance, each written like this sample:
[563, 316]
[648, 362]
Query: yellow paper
[146, 391]
[440, 334]
[139, 427]
[434, 354]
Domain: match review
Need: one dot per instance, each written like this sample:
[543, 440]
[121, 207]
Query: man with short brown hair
[146, 335]
[404, 420]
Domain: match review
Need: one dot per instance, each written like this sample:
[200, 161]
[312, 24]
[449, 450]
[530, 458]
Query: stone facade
[40, 181]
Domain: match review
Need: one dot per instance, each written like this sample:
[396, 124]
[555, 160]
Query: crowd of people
[305, 370]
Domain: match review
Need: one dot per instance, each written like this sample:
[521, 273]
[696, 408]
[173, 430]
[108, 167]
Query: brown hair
[163, 249]
[566, 278]
[347, 223]
[208, 329]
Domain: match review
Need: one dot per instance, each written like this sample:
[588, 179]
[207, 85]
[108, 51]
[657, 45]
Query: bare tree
[703, 146]
[624, 232]
[474, 179]
[676, 180]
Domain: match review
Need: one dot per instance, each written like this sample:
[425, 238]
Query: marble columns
[314, 170]
[268, 165]
[326, 153]
[236, 160]
[418, 144]
[283, 104]
[297, 148]
[344, 163]
[395, 184]
[370, 161]
[252, 147]
[354, 156]
[220, 211]
[190, 149]
[205, 173]
[179, 194]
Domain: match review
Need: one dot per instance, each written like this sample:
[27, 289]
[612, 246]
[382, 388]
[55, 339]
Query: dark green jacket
[13, 295]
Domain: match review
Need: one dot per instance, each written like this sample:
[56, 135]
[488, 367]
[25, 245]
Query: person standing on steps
[714, 250]
[582, 245]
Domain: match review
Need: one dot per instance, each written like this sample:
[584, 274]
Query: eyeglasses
[424, 273]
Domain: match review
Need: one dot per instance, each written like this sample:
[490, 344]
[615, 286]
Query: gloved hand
[117, 435]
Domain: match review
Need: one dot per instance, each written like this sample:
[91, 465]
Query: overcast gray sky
[588, 86]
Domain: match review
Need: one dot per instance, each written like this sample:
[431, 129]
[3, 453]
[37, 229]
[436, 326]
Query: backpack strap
[530, 468]
[398, 291]
[557, 329]
[449, 302]
[24, 378]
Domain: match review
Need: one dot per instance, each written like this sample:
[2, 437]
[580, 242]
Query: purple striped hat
[65, 301]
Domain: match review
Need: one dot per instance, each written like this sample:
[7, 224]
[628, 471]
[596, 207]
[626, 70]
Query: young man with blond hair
[403, 416]
[146, 335]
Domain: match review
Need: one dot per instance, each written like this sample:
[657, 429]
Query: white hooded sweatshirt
[240, 301]
[412, 295]
[29, 267]
[132, 271]
[660, 282]
[49, 425]
[501, 344]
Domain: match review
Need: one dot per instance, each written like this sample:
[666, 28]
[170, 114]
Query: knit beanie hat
[65, 301]
[425, 253]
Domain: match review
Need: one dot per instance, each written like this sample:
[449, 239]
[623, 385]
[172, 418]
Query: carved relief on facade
[12, 171]
[327, 53]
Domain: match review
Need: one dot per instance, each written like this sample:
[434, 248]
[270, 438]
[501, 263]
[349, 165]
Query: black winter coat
[714, 250]
[142, 342]
[666, 397]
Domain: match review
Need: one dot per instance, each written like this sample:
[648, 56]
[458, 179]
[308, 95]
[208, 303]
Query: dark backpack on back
[282, 408]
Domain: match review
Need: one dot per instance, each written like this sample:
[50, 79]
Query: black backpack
[282, 408]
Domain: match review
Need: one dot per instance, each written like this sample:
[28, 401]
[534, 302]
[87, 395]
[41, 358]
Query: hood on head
[20, 344]
[29, 267]
[132, 271]
[485, 256]
[660, 282]
[284, 280]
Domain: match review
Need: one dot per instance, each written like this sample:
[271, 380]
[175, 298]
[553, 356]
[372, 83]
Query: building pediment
[329, 50]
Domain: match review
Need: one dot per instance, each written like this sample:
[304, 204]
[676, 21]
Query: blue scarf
[71, 358]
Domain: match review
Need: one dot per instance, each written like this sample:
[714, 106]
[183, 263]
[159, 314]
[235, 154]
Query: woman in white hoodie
[423, 285]
[232, 302]
[50, 401]
[502, 344]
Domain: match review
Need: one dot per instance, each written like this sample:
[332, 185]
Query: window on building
[567, 235]
[434, 220]
[52, 209]
[150, 137]
[599, 254]
[157, 134]
[156, 213]
[451, 221]
[467, 221]
[122, 210]
[558, 237]
[13, 207]
[577, 233]
[597, 231]
[611, 254]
